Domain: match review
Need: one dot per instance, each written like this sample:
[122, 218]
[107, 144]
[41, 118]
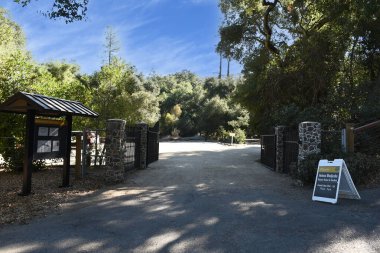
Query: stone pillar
[310, 139]
[141, 145]
[115, 129]
[280, 132]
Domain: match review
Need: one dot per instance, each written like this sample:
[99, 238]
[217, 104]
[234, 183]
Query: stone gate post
[115, 129]
[280, 132]
[310, 139]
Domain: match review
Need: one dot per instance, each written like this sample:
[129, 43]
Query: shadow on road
[205, 201]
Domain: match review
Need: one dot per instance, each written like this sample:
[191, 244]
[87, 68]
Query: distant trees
[206, 105]
[118, 92]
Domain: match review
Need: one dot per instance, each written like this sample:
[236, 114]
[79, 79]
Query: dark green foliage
[219, 87]
[306, 170]
[13, 158]
[331, 142]
[371, 103]
[363, 168]
[213, 115]
[187, 126]
[12, 154]
[321, 62]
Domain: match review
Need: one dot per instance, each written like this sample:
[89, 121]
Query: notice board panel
[50, 136]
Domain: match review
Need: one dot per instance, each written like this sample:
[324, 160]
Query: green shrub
[306, 169]
[15, 158]
[363, 168]
[224, 136]
[239, 136]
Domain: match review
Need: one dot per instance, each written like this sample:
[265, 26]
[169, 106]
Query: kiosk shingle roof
[21, 102]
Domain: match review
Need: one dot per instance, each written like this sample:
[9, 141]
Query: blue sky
[161, 36]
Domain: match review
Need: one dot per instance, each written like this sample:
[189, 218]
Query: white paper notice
[53, 131]
[55, 146]
[43, 131]
[43, 146]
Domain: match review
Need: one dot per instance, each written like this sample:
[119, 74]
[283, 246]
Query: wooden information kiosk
[47, 137]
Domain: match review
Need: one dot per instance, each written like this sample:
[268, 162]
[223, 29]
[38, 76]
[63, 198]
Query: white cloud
[139, 25]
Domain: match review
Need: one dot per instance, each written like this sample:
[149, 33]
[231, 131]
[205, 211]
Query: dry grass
[46, 195]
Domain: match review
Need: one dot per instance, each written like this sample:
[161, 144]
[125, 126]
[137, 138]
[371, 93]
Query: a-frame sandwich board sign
[333, 180]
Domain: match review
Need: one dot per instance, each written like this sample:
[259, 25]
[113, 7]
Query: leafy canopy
[304, 59]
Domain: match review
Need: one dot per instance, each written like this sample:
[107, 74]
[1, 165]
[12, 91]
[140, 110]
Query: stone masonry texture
[115, 129]
[310, 139]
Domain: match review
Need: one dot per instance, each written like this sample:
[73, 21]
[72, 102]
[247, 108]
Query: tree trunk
[228, 66]
[220, 66]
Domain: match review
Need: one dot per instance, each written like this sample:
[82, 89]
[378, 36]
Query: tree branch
[267, 29]
[320, 23]
[69, 10]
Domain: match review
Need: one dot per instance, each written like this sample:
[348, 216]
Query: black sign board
[327, 182]
[50, 139]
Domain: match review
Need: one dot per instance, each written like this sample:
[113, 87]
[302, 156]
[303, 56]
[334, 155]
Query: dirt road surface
[204, 197]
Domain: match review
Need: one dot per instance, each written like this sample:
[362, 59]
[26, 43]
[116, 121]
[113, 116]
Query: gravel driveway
[204, 197]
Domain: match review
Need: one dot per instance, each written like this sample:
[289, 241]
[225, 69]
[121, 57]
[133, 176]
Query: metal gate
[268, 150]
[291, 139]
[87, 150]
[152, 144]
[129, 147]
[90, 148]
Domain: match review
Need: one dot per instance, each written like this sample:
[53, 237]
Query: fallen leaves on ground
[46, 195]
